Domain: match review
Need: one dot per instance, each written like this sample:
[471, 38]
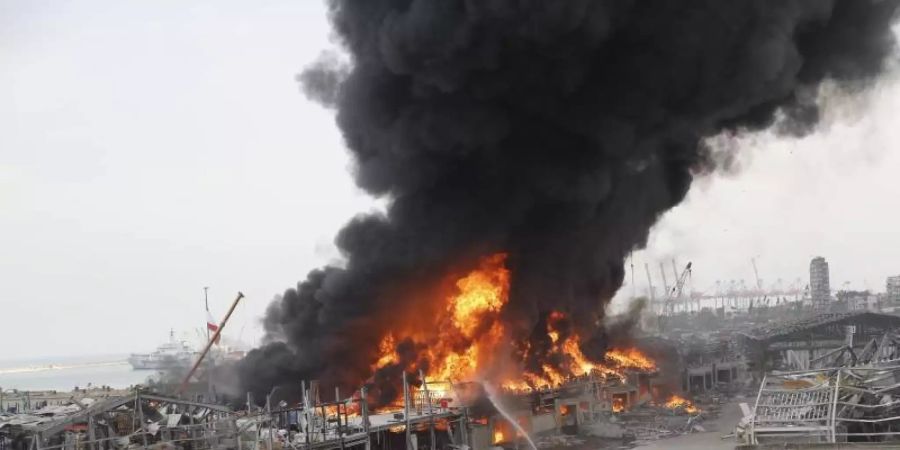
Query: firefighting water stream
[492, 396]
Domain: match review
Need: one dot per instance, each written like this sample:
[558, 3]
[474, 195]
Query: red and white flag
[211, 325]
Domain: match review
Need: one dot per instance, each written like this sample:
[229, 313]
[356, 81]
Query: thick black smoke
[556, 131]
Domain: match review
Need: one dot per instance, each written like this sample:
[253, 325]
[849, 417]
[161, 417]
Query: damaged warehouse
[138, 420]
[794, 345]
[837, 380]
[857, 401]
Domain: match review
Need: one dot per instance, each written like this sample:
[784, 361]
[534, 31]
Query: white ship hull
[170, 355]
[148, 362]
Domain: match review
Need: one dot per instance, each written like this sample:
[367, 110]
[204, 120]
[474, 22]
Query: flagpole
[187, 378]
[206, 304]
[210, 369]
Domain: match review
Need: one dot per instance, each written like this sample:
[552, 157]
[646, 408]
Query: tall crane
[674, 270]
[649, 283]
[756, 274]
[677, 290]
[673, 295]
[662, 271]
[761, 297]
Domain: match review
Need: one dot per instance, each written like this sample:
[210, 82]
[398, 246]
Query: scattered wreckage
[845, 395]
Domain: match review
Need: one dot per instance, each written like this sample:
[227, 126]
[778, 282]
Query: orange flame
[675, 402]
[498, 436]
[332, 411]
[632, 358]
[387, 350]
[481, 292]
[470, 338]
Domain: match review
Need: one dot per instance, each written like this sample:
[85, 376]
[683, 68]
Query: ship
[170, 355]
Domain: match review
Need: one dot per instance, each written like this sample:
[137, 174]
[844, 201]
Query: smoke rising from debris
[557, 132]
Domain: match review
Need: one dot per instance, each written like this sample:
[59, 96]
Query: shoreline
[67, 375]
[49, 367]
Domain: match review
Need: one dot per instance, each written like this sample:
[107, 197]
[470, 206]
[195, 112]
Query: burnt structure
[136, 420]
[793, 344]
[848, 396]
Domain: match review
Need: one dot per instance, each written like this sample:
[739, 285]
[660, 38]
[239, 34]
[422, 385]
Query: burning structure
[525, 148]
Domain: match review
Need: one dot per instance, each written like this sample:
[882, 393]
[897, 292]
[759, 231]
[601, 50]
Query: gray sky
[149, 148]
[835, 193]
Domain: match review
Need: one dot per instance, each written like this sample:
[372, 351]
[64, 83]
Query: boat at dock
[172, 354]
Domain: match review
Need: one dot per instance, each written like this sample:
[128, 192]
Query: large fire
[469, 341]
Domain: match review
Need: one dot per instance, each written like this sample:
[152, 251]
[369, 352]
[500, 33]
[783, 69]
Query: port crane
[662, 271]
[759, 283]
[668, 305]
[651, 294]
[675, 270]
[761, 297]
[676, 293]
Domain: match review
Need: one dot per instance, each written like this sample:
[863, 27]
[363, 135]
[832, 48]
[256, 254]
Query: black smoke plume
[555, 131]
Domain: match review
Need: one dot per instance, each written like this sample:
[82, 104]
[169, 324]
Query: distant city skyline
[802, 283]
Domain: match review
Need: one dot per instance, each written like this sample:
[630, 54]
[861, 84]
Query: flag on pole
[211, 325]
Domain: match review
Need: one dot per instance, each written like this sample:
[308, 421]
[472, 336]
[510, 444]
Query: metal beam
[178, 401]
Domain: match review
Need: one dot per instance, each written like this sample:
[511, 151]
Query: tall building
[819, 281]
[893, 289]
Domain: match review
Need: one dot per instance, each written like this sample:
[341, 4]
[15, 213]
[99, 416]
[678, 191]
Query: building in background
[893, 290]
[859, 300]
[819, 281]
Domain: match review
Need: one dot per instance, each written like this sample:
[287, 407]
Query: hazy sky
[150, 148]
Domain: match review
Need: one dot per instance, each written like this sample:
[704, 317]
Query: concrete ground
[711, 439]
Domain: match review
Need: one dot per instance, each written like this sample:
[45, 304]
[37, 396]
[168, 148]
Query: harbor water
[65, 373]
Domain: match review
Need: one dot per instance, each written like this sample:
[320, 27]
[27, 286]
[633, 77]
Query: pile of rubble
[848, 404]
[650, 422]
[134, 420]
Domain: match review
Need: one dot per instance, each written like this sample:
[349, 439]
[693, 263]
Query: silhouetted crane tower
[649, 283]
[676, 294]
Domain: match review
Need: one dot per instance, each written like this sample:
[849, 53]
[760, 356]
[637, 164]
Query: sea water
[66, 373]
